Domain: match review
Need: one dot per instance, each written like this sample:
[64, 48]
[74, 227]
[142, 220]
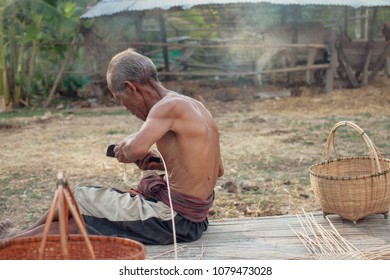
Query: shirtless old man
[186, 137]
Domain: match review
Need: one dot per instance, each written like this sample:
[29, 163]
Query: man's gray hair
[129, 66]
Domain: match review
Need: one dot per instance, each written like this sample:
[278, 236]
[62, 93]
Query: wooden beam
[228, 45]
[347, 67]
[380, 62]
[331, 71]
[248, 73]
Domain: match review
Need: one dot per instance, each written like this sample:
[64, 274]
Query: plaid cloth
[188, 206]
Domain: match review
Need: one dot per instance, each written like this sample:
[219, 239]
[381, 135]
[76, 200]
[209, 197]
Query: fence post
[331, 71]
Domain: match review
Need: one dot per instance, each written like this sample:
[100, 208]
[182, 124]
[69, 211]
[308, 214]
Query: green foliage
[37, 35]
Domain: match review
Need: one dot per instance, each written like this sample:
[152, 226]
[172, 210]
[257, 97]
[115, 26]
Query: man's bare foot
[8, 229]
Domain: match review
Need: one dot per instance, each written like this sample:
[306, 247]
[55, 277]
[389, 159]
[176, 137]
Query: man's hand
[121, 147]
[119, 153]
[150, 162]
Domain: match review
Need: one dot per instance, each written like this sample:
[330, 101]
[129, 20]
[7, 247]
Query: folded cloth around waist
[188, 206]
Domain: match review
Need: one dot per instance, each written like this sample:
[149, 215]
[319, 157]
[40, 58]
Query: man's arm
[136, 147]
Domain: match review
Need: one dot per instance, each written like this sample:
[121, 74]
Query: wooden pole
[345, 27]
[163, 34]
[358, 23]
[294, 40]
[369, 46]
[138, 20]
[331, 71]
[366, 19]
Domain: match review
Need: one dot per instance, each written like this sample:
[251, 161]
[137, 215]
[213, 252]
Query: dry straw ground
[267, 146]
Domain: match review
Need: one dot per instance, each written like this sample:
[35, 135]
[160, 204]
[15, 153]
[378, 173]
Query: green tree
[37, 38]
[4, 90]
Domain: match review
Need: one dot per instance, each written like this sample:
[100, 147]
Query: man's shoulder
[175, 102]
[177, 98]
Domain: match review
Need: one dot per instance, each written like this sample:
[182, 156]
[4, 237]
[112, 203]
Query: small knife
[110, 153]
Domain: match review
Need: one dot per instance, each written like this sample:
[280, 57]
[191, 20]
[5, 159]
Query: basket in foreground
[105, 248]
[69, 246]
[353, 187]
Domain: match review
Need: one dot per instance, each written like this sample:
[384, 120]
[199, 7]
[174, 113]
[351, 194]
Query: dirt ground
[268, 145]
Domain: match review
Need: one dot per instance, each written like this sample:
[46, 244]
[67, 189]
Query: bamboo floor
[271, 238]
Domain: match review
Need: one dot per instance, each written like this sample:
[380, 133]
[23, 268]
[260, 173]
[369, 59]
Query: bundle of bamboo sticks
[328, 244]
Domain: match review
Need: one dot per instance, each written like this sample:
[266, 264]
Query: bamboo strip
[325, 244]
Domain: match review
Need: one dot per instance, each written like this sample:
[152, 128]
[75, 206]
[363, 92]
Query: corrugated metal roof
[110, 7]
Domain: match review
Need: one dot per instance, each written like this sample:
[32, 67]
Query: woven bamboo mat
[272, 238]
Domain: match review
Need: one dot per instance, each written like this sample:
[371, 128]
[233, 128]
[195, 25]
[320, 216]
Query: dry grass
[267, 147]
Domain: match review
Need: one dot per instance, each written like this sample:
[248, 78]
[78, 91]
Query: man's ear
[130, 87]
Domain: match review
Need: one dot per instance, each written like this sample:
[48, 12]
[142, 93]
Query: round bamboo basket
[352, 187]
[105, 248]
[70, 246]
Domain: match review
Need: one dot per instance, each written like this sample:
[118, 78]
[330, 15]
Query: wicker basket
[353, 187]
[70, 246]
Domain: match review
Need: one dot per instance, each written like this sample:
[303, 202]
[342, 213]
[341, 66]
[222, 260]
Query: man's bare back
[191, 145]
[187, 138]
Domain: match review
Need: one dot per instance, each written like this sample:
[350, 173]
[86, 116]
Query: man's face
[132, 102]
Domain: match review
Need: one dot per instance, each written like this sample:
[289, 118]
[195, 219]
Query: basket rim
[364, 176]
[110, 241]
[70, 237]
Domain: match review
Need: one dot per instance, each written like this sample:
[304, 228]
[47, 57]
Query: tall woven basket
[70, 246]
[352, 187]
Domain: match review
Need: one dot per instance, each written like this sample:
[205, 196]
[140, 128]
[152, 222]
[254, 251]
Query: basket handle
[375, 155]
[65, 202]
